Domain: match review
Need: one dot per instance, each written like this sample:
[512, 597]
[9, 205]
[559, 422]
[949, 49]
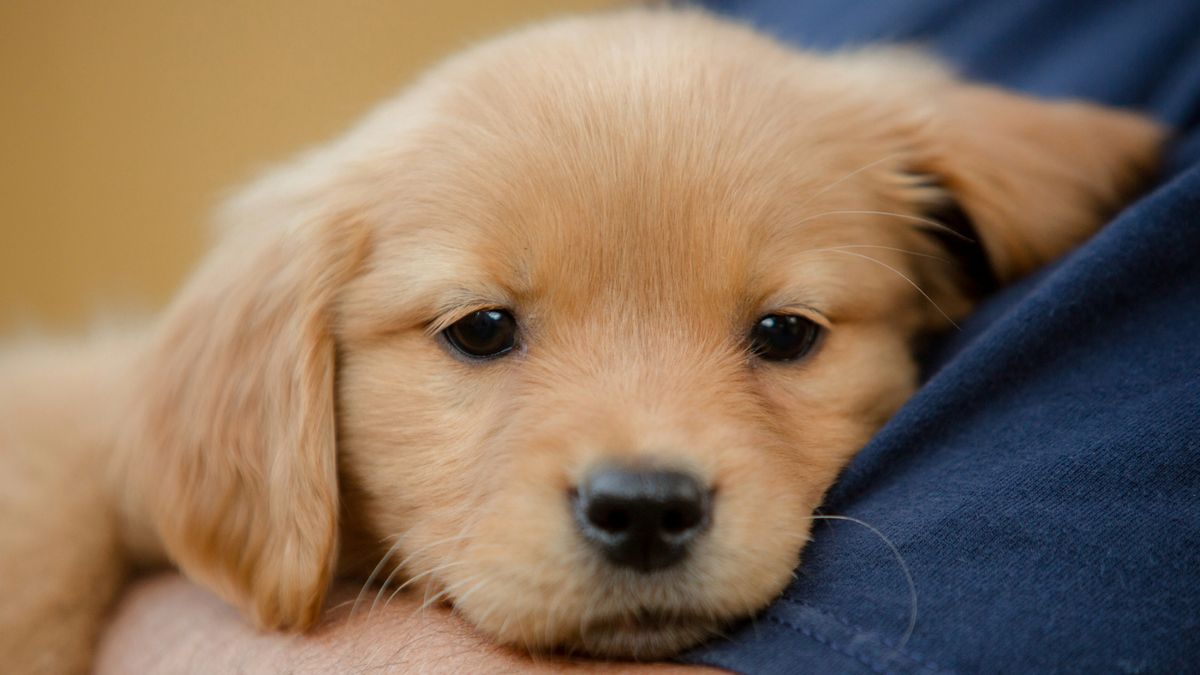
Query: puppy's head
[590, 319]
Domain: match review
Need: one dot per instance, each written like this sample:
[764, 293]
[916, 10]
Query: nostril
[680, 518]
[673, 521]
[609, 516]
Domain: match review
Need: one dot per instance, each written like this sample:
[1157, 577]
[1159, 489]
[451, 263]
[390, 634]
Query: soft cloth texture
[1044, 486]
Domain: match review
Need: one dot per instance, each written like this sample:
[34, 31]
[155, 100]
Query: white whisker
[902, 216]
[463, 598]
[906, 278]
[886, 248]
[445, 592]
[408, 582]
[374, 573]
[400, 566]
[912, 586]
[848, 176]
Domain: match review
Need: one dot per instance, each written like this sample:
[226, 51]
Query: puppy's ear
[236, 428]
[1032, 178]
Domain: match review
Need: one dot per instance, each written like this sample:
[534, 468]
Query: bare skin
[165, 624]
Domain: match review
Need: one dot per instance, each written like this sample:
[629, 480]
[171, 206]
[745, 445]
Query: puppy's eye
[783, 337]
[484, 334]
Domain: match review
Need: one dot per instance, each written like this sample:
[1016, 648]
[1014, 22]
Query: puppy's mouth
[646, 633]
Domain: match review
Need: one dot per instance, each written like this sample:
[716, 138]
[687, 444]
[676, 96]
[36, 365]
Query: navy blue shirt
[1043, 487]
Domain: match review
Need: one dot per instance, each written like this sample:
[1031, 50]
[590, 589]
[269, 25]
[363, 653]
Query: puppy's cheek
[830, 409]
[760, 524]
[524, 577]
[412, 446]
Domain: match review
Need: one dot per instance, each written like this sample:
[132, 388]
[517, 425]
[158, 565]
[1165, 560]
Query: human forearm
[167, 625]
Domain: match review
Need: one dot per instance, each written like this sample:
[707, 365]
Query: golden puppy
[585, 324]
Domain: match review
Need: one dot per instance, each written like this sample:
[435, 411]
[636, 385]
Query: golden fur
[637, 188]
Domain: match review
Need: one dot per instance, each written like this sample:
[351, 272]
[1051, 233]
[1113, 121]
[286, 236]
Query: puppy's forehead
[644, 215]
[658, 171]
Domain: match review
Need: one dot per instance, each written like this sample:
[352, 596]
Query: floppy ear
[236, 455]
[1033, 178]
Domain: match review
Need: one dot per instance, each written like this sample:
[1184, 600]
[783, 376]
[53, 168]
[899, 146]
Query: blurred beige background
[122, 122]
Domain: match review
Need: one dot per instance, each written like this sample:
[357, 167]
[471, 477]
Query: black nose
[644, 520]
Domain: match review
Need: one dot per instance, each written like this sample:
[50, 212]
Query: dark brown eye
[485, 334]
[783, 337]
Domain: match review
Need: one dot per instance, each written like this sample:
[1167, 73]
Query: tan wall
[123, 121]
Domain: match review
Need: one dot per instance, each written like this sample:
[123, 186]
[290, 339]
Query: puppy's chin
[644, 634]
[632, 629]
[591, 609]
[636, 632]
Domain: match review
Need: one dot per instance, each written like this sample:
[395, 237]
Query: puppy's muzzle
[640, 519]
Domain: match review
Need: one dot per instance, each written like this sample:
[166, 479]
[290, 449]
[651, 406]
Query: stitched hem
[916, 657]
[847, 639]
